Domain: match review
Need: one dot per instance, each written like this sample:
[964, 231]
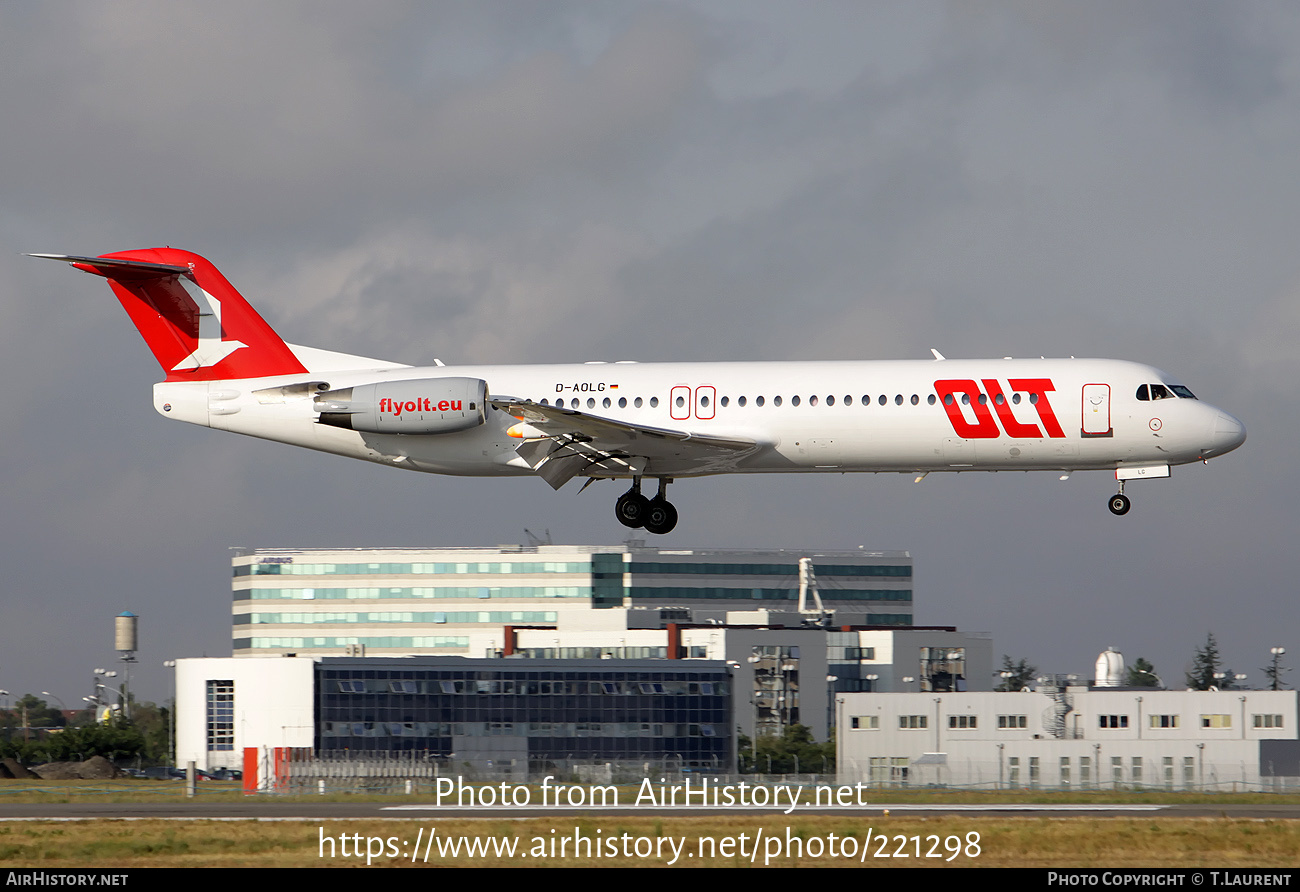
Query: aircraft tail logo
[197, 325]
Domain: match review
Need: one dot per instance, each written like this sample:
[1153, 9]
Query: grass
[1146, 841]
[1002, 842]
[37, 791]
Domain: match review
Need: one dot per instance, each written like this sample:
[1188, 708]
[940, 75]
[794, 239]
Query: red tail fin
[197, 325]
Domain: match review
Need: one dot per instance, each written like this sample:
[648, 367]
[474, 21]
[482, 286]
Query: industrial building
[1068, 735]
[779, 677]
[505, 714]
[782, 633]
[458, 601]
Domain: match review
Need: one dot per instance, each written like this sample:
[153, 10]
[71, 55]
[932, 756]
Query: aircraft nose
[1229, 433]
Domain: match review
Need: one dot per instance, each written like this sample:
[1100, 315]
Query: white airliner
[225, 368]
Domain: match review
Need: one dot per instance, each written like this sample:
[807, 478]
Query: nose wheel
[656, 515]
[1119, 503]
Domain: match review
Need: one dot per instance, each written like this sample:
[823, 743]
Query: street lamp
[1158, 679]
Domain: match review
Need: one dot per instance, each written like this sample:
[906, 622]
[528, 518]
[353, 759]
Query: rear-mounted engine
[425, 406]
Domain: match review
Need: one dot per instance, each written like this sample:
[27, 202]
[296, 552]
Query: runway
[269, 809]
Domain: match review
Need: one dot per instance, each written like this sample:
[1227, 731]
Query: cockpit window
[1143, 394]
[1182, 391]
[1158, 392]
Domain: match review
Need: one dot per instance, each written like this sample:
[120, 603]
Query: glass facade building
[473, 710]
[457, 601]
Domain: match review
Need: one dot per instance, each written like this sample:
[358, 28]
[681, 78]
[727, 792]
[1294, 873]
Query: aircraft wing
[566, 443]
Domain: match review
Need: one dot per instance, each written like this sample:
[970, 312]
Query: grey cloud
[493, 182]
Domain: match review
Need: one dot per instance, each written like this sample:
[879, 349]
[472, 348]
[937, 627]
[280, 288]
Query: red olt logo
[985, 426]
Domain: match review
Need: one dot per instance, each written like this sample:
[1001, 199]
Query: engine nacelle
[423, 406]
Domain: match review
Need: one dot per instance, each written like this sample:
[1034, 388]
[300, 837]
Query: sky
[492, 182]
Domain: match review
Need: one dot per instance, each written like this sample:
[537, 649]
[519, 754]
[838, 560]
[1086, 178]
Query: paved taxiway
[264, 809]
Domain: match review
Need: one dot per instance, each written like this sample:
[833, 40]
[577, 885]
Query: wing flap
[558, 422]
[576, 443]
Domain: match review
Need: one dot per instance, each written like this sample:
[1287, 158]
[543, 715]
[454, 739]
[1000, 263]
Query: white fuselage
[909, 416]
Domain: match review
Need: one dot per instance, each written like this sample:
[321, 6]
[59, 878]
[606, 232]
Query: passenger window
[776, 401]
[758, 401]
[704, 401]
[999, 399]
[741, 402]
[654, 402]
[637, 402]
[794, 400]
[1015, 398]
[591, 402]
[725, 401]
[965, 399]
[622, 402]
[544, 402]
[915, 399]
[947, 399]
[866, 400]
[812, 400]
[830, 400]
[605, 402]
[898, 400]
[882, 399]
[930, 399]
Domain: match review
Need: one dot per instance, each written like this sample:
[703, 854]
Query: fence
[295, 771]
[1073, 773]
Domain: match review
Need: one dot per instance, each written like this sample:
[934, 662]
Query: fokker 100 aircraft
[225, 368]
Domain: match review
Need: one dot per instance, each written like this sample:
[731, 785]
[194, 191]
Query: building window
[1085, 770]
[1168, 764]
[1033, 771]
[1216, 721]
[1164, 721]
[1136, 766]
[1008, 722]
[1112, 721]
[1268, 721]
[943, 669]
[961, 722]
[1189, 771]
[1117, 770]
[865, 722]
[889, 770]
[1013, 770]
[221, 715]
[1065, 771]
[913, 722]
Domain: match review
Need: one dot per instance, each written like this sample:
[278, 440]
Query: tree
[37, 713]
[794, 750]
[1274, 670]
[154, 724]
[1141, 675]
[113, 740]
[1205, 666]
[1016, 676]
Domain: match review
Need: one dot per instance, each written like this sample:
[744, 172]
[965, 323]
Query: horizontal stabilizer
[104, 266]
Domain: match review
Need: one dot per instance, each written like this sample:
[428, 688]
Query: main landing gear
[657, 515]
[1119, 503]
